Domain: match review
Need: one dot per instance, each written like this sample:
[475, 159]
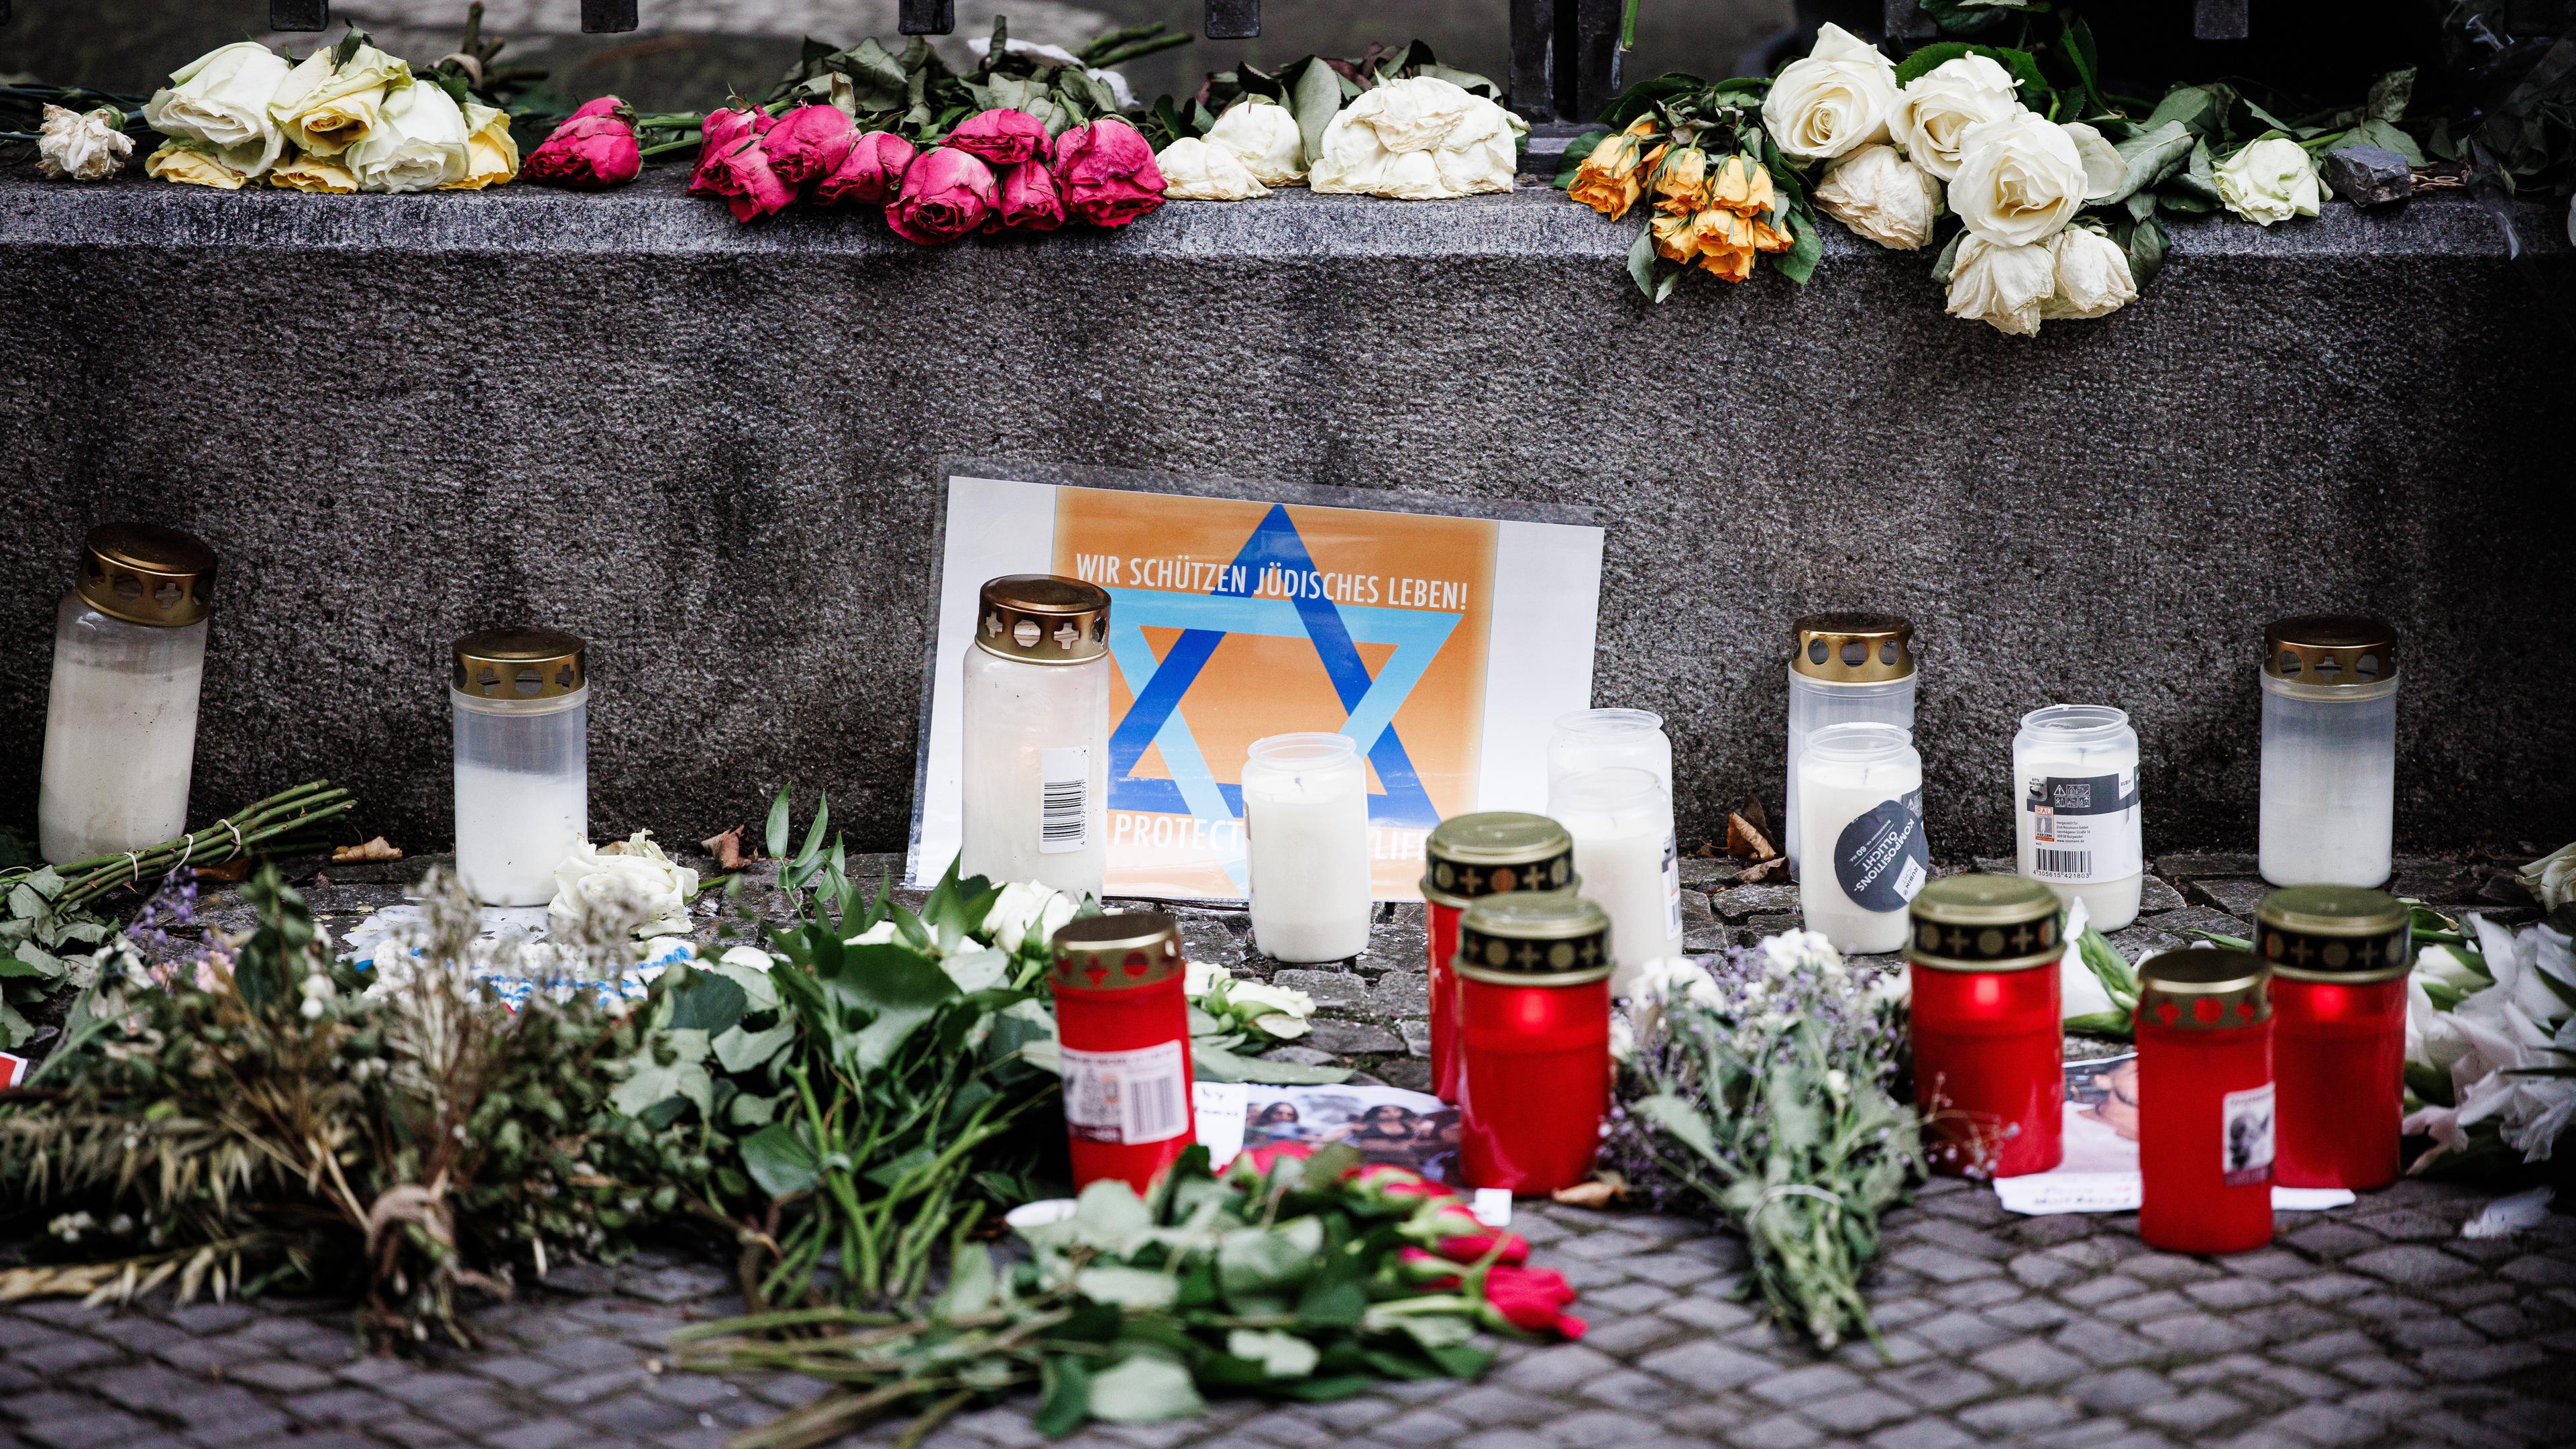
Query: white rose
[326, 108]
[1881, 195]
[1028, 911]
[418, 143]
[1482, 151]
[192, 163]
[1265, 138]
[2269, 181]
[1418, 140]
[83, 145]
[1412, 115]
[1944, 103]
[2104, 169]
[2020, 180]
[221, 99]
[630, 876]
[2002, 285]
[1352, 162]
[1835, 101]
[2093, 278]
[1194, 170]
[1275, 1009]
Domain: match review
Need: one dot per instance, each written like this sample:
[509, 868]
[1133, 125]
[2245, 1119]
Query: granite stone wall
[713, 452]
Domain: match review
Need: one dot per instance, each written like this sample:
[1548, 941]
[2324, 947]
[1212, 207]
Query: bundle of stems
[280, 819]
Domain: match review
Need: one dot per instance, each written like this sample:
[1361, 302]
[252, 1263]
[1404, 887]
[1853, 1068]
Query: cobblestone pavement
[2375, 1324]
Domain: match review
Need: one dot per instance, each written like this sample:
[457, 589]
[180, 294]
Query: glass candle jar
[1123, 1023]
[1035, 744]
[1987, 1039]
[2076, 766]
[1860, 801]
[1534, 1003]
[2205, 1101]
[2339, 957]
[2329, 751]
[1602, 739]
[1848, 669]
[1625, 858]
[1306, 843]
[121, 717]
[1467, 858]
[521, 700]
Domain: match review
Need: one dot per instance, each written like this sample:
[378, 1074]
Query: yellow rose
[192, 165]
[1681, 183]
[1742, 186]
[326, 107]
[1676, 238]
[312, 173]
[491, 157]
[1608, 180]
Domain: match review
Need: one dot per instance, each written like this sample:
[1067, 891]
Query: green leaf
[2151, 156]
[1968, 16]
[1798, 263]
[1144, 1388]
[2077, 42]
[777, 832]
[1281, 1355]
[742, 1051]
[1212, 1063]
[1128, 1288]
[1641, 262]
[2383, 134]
[707, 1002]
[1575, 150]
[2196, 107]
[2390, 95]
[877, 79]
[1333, 1303]
[780, 1162]
[2145, 244]
[1067, 1400]
[1264, 1261]
[33, 961]
[650, 1082]
[746, 1110]
[24, 903]
[1943, 264]
[1314, 98]
[2115, 1024]
[970, 1283]
[1682, 1121]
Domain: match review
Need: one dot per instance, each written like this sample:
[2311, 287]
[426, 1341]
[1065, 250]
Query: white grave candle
[1848, 668]
[1860, 802]
[1306, 842]
[2329, 751]
[2076, 824]
[1607, 739]
[1035, 722]
[1625, 861]
[521, 699]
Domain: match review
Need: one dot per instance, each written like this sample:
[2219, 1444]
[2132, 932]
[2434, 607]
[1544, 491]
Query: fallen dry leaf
[1745, 840]
[1776, 868]
[727, 849]
[1601, 1191]
[378, 849]
[231, 872]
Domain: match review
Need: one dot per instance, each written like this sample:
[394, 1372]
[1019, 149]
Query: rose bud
[733, 165]
[1000, 137]
[808, 144]
[1106, 173]
[594, 149]
[1030, 201]
[871, 174]
[1531, 1299]
[946, 194]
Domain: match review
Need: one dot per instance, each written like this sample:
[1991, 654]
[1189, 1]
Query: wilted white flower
[2103, 168]
[192, 163]
[1878, 193]
[2269, 181]
[1265, 138]
[1027, 914]
[1838, 1082]
[877, 935]
[1057, 55]
[2093, 277]
[1785, 953]
[327, 107]
[417, 143]
[1418, 139]
[630, 875]
[2492, 1036]
[1623, 1040]
[220, 100]
[2004, 286]
[2020, 180]
[1836, 99]
[82, 145]
[1943, 104]
[2553, 877]
[1253, 1005]
[1672, 979]
[1194, 170]
[317, 991]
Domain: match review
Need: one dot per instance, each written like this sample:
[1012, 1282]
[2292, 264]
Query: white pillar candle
[521, 701]
[1626, 861]
[1035, 726]
[2329, 752]
[1607, 739]
[1860, 801]
[1848, 669]
[2076, 826]
[1306, 845]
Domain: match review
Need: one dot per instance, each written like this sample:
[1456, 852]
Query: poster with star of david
[1444, 636]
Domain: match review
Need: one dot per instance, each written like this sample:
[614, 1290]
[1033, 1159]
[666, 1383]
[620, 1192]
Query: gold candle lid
[1534, 938]
[146, 574]
[2197, 990]
[2330, 650]
[1854, 648]
[1492, 853]
[2334, 933]
[1117, 952]
[518, 664]
[1985, 923]
[1043, 619]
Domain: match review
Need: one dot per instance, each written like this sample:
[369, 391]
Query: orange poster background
[1255, 685]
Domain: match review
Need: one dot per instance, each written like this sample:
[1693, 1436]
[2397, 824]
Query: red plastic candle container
[1534, 1015]
[1987, 1043]
[1124, 1025]
[1466, 859]
[2339, 958]
[2206, 1115]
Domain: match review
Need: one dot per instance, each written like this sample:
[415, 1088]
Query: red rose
[871, 174]
[595, 148]
[1531, 1299]
[1106, 172]
[946, 194]
[1261, 1158]
[1000, 137]
[732, 164]
[1030, 201]
[808, 143]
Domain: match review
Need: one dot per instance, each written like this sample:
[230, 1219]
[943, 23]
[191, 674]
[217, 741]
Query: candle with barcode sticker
[2339, 957]
[2207, 1111]
[1985, 1025]
[1626, 857]
[1306, 845]
[1534, 1004]
[2077, 830]
[1860, 814]
[1035, 747]
[1466, 859]
[1123, 1030]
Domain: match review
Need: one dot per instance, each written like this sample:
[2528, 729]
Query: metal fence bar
[1531, 87]
[1905, 20]
[927, 17]
[1233, 19]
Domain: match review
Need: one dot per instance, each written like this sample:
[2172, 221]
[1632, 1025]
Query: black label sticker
[1882, 858]
[2080, 795]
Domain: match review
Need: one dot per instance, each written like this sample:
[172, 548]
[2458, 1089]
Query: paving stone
[2238, 898]
[2029, 1362]
[2198, 1333]
[2413, 1265]
[1332, 990]
[2103, 1345]
[2194, 1412]
[1980, 1292]
[1857, 1412]
[2167, 1270]
[2465, 1364]
[1400, 993]
[1629, 1336]
[2024, 1415]
[1800, 1386]
[1707, 1366]
[1741, 903]
[1958, 1333]
[1352, 1038]
[2027, 1314]
[2163, 1303]
[2197, 866]
[2333, 1240]
[2229, 1294]
[1602, 1427]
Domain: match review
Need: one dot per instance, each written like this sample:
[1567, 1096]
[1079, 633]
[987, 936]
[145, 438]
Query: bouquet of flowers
[1397, 124]
[2491, 1044]
[1722, 196]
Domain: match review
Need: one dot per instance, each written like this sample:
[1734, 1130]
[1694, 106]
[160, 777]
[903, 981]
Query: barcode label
[1064, 799]
[1135, 1097]
[2077, 863]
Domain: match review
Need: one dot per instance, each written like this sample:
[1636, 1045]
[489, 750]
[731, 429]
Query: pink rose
[1106, 173]
[594, 149]
[946, 194]
[808, 144]
[1002, 137]
[733, 165]
[872, 174]
[1531, 1299]
[1030, 201]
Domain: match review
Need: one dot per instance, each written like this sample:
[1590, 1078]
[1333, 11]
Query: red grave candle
[2206, 1105]
[1534, 1014]
[2339, 957]
[1468, 858]
[1124, 1025]
[1987, 1044]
